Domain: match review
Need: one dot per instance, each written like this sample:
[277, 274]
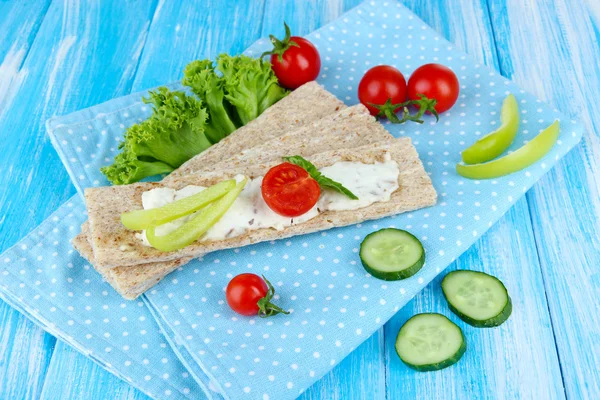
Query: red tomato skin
[301, 64]
[244, 291]
[289, 190]
[379, 84]
[435, 81]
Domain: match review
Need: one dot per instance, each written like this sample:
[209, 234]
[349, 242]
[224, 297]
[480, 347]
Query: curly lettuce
[250, 85]
[129, 168]
[172, 135]
[201, 78]
[182, 125]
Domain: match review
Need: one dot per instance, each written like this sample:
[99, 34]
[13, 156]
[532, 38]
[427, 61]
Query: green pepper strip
[197, 226]
[494, 144]
[144, 219]
[522, 158]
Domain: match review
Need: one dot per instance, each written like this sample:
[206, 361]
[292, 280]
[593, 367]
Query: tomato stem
[281, 46]
[265, 307]
[388, 110]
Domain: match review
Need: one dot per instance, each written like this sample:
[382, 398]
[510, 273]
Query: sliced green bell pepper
[492, 145]
[522, 158]
[197, 226]
[143, 219]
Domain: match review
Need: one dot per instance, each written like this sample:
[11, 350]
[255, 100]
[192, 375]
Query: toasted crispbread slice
[308, 103]
[303, 107]
[109, 236]
[348, 128]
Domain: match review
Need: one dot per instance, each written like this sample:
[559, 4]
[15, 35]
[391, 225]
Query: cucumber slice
[392, 254]
[429, 342]
[477, 298]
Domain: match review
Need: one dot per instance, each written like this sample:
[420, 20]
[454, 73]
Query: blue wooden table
[61, 56]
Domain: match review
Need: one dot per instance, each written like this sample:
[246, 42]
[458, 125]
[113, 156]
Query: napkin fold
[43, 277]
[181, 337]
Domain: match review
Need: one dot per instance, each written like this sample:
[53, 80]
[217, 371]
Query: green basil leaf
[305, 164]
[322, 180]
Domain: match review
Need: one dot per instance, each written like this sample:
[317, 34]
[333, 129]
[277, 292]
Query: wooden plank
[179, 33]
[25, 353]
[19, 23]
[187, 30]
[84, 63]
[92, 381]
[302, 17]
[552, 50]
[507, 362]
[25, 349]
[74, 62]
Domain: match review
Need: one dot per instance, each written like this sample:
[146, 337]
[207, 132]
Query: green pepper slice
[492, 145]
[143, 219]
[197, 226]
[522, 158]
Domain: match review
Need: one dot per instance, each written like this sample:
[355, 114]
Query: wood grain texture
[25, 352]
[19, 24]
[25, 349]
[90, 54]
[83, 54]
[552, 50]
[183, 31]
[516, 360]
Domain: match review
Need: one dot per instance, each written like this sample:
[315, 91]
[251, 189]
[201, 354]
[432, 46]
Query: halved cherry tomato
[436, 82]
[249, 294]
[380, 84]
[289, 190]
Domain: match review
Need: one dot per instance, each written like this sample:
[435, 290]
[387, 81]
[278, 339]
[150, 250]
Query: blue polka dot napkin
[335, 305]
[45, 278]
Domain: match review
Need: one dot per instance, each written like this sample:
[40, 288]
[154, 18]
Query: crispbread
[105, 205]
[349, 128]
[306, 104]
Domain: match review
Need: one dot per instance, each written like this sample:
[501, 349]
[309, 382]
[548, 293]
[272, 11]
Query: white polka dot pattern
[46, 279]
[335, 305]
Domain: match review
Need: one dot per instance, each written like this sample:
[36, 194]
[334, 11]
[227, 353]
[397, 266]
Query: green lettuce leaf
[183, 125]
[201, 78]
[250, 85]
[172, 135]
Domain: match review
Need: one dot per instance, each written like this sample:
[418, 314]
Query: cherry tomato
[249, 294]
[289, 190]
[300, 64]
[294, 60]
[380, 84]
[436, 82]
